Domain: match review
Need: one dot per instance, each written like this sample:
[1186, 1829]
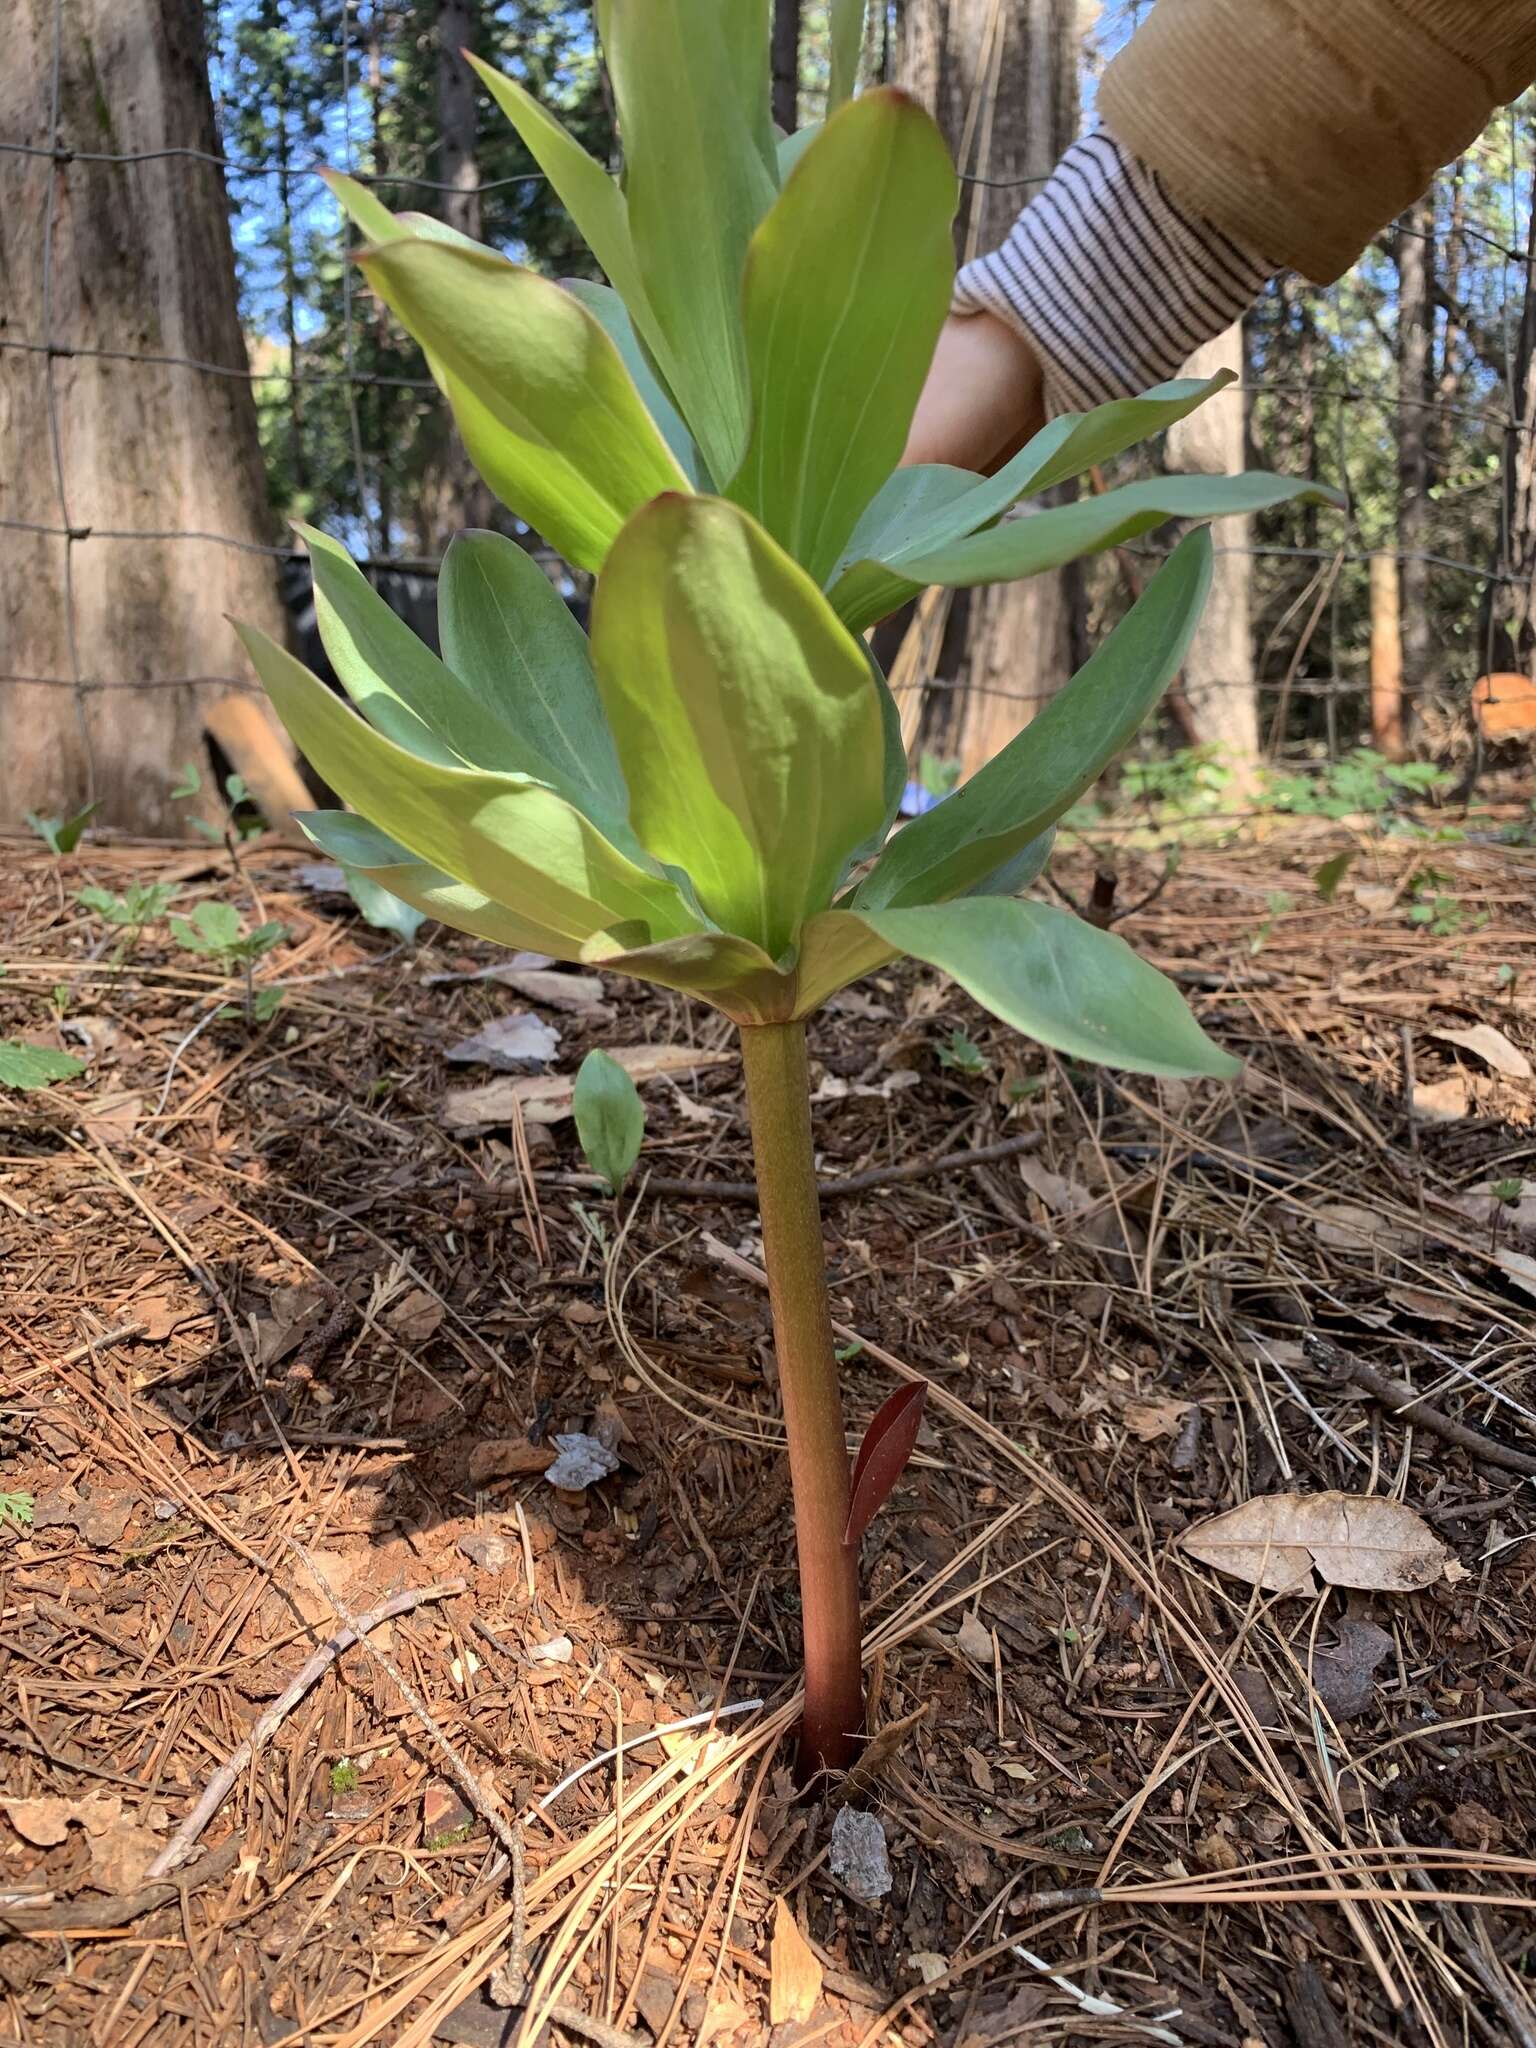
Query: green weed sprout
[702, 795]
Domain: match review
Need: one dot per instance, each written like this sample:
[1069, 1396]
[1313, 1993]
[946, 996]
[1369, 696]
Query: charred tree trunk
[1415, 251]
[1218, 670]
[449, 495]
[786, 64]
[1508, 638]
[128, 636]
[1002, 83]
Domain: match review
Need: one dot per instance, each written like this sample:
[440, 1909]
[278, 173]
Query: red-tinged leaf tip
[883, 1456]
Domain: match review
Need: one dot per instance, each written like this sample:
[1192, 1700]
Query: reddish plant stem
[778, 1106]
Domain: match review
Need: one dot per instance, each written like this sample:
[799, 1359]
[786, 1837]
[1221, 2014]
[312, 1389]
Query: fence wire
[1335, 689]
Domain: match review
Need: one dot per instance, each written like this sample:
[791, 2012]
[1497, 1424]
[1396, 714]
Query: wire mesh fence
[1437, 475]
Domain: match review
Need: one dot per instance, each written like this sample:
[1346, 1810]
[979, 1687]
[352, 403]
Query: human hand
[983, 397]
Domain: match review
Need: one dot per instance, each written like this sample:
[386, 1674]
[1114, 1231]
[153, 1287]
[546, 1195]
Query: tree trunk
[1218, 670]
[786, 64]
[1507, 634]
[1002, 83]
[1415, 252]
[135, 257]
[450, 496]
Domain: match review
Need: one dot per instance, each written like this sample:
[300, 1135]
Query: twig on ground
[99, 1915]
[1402, 1400]
[829, 1190]
[222, 1783]
[119, 1334]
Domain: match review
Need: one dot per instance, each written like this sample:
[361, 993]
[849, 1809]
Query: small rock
[444, 1810]
[654, 1997]
[492, 1553]
[503, 1457]
[167, 1510]
[556, 1651]
[582, 1462]
[858, 1858]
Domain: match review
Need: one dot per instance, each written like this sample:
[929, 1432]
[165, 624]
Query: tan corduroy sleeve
[1301, 127]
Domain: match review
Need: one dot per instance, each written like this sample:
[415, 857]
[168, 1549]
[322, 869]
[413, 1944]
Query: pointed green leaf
[362, 849]
[605, 305]
[744, 24]
[588, 194]
[745, 717]
[1045, 540]
[576, 450]
[846, 22]
[696, 187]
[516, 840]
[381, 908]
[610, 1118]
[732, 974]
[792, 147]
[25, 1065]
[1044, 770]
[908, 505]
[509, 638]
[1014, 875]
[1059, 981]
[848, 280]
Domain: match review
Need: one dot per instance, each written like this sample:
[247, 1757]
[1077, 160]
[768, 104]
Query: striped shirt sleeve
[1111, 282]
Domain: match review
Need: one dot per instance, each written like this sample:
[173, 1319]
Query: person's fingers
[982, 398]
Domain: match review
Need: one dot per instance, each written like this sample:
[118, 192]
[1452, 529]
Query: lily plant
[704, 794]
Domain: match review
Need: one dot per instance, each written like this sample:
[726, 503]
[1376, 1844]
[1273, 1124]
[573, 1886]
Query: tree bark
[1008, 110]
[1415, 250]
[449, 494]
[1218, 670]
[786, 64]
[1507, 634]
[137, 258]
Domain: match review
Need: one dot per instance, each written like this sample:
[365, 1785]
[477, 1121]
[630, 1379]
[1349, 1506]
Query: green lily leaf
[610, 1118]
[575, 449]
[733, 974]
[792, 147]
[848, 280]
[363, 850]
[847, 26]
[1045, 540]
[836, 947]
[1044, 770]
[381, 908]
[1014, 875]
[511, 642]
[1059, 981]
[604, 304]
[745, 718]
[516, 840]
[909, 505]
[588, 194]
[694, 197]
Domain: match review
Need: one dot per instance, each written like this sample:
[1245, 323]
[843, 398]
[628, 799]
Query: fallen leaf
[45, 1822]
[1343, 1671]
[1426, 1305]
[160, 1314]
[292, 1312]
[928, 1964]
[546, 1098]
[556, 1651]
[112, 1118]
[1150, 1420]
[1351, 1227]
[794, 1983]
[1492, 1047]
[973, 1640]
[121, 1856]
[581, 993]
[417, 1317]
[583, 1462]
[503, 1457]
[1278, 1540]
[1520, 1267]
[980, 1770]
[1374, 897]
[517, 1040]
[1442, 1102]
[1474, 1827]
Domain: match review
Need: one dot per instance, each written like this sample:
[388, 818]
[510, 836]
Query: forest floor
[291, 1312]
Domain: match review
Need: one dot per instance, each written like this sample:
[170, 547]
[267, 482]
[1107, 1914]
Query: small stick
[94, 1344]
[1402, 1400]
[829, 1190]
[222, 1783]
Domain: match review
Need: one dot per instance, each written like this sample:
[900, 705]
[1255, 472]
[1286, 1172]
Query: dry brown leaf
[1351, 1227]
[160, 1314]
[546, 1098]
[1150, 1420]
[1492, 1047]
[121, 1856]
[112, 1118]
[1442, 1102]
[417, 1317]
[973, 1640]
[46, 1822]
[1278, 1540]
[558, 991]
[1520, 1267]
[794, 1984]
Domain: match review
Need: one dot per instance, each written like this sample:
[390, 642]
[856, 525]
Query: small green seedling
[213, 929]
[140, 904]
[191, 782]
[24, 1065]
[1328, 877]
[703, 792]
[17, 1508]
[610, 1119]
[61, 835]
[344, 1777]
[961, 1053]
[1509, 1192]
